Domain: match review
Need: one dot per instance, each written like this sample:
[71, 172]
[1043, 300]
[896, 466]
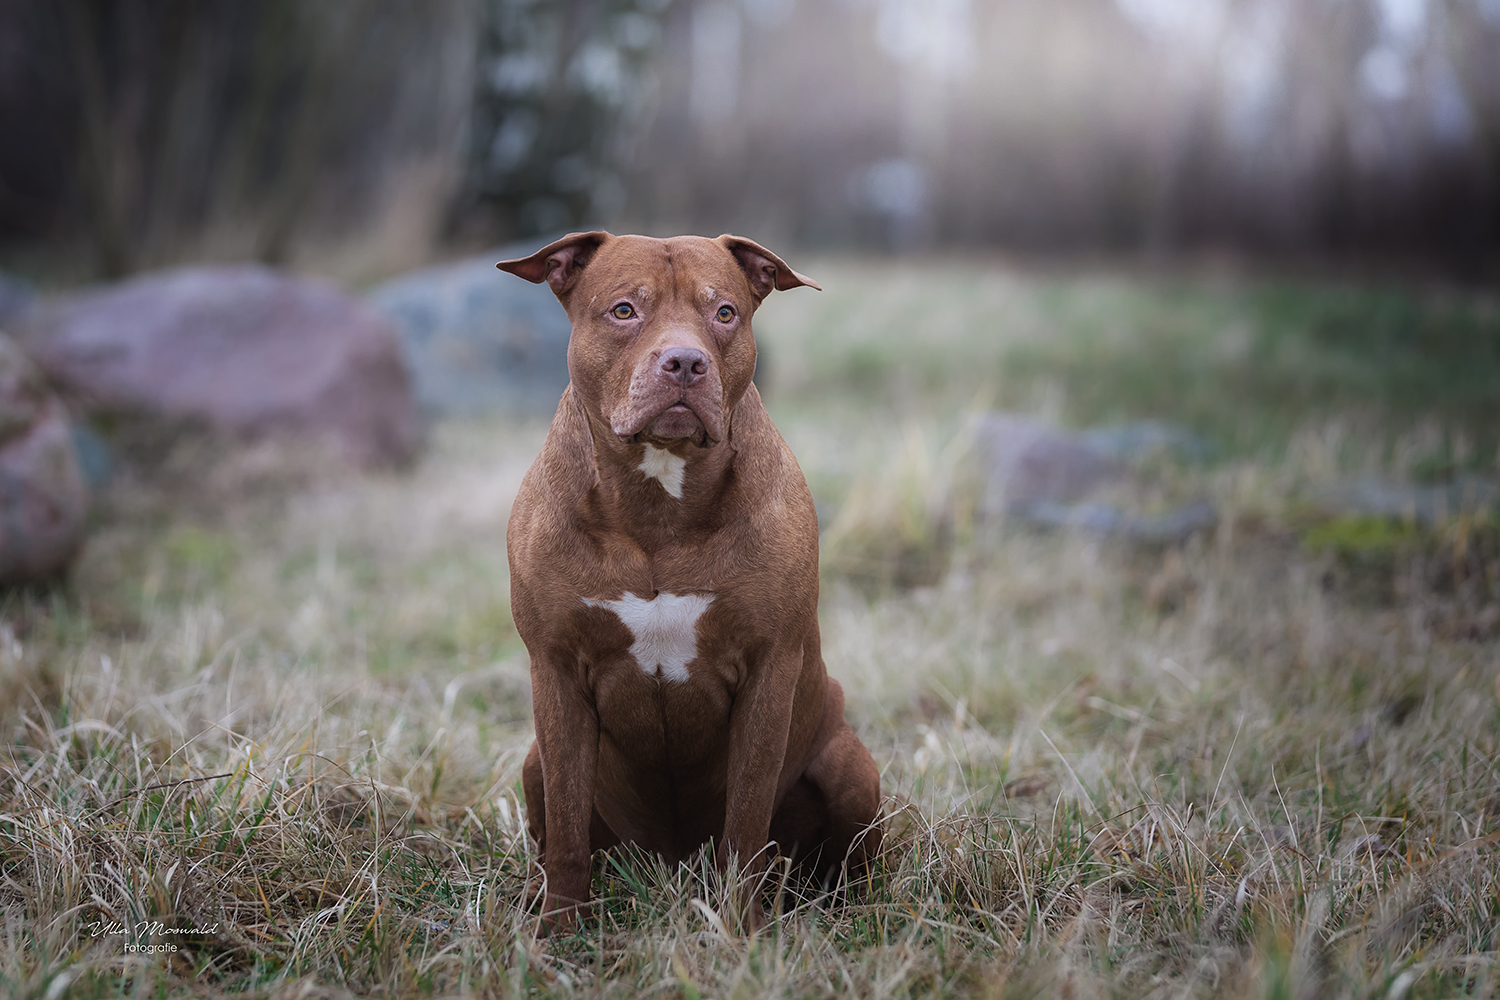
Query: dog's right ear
[558, 264]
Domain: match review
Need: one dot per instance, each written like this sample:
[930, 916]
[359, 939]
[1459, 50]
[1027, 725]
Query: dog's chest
[663, 630]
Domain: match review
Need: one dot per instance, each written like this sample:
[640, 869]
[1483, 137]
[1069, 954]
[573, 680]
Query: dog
[663, 555]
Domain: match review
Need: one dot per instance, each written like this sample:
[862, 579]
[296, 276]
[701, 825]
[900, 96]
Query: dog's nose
[684, 365]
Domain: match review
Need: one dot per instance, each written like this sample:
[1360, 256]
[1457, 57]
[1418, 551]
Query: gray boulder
[43, 497]
[16, 297]
[1429, 505]
[1147, 438]
[1103, 519]
[1025, 461]
[479, 340]
[1037, 473]
[245, 349]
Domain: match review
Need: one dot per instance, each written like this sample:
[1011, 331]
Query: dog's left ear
[766, 271]
[559, 263]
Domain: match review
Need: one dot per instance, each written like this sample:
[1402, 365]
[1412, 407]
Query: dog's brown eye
[726, 313]
[624, 311]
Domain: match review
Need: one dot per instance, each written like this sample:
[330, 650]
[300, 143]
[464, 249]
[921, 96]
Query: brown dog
[664, 576]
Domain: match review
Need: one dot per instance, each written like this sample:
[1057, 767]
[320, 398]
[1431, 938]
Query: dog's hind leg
[828, 816]
[799, 826]
[846, 775]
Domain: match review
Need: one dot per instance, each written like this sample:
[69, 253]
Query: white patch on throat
[664, 467]
[663, 630]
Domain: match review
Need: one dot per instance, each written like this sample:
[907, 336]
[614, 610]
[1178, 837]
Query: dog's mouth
[675, 422]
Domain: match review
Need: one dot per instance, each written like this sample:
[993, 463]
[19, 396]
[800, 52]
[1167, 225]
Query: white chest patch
[664, 467]
[664, 630]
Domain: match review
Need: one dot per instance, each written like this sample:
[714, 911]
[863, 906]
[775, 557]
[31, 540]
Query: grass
[273, 727]
[1247, 363]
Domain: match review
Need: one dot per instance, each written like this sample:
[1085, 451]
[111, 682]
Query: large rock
[1038, 473]
[1026, 461]
[1430, 505]
[1107, 519]
[16, 297]
[43, 498]
[243, 348]
[478, 340]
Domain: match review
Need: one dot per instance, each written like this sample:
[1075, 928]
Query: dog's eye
[624, 311]
[726, 313]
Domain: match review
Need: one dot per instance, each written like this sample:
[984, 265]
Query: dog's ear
[766, 271]
[558, 264]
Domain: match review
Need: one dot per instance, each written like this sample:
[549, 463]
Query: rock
[1102, 519]
[43, 497]
[245, 349]
[1037, 473]
[1025, 461]
[16, 297]
[1430, 505]
[478, 340]
[1146, 438]
[94, 456]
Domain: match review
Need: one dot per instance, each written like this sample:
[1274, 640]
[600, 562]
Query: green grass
[1247, 363]
[277, 719]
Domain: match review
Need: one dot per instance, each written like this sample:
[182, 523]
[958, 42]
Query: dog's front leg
[567, 736]
[759, 727]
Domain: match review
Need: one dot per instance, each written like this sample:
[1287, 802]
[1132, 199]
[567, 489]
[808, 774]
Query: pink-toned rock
[1027, 461]
[246, 349]
[43, 497]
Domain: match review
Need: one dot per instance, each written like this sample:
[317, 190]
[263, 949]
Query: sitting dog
[664, 576]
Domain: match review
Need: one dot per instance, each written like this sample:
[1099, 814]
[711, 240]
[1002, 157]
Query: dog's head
[661, 349]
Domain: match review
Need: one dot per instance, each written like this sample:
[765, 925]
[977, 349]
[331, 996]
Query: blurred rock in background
[1026, 460]
[1041, 474]
[16, 297]
[244, 349]
[1425, 504]
[43, 496]
[477, 340]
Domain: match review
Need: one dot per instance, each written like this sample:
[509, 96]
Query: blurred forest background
[210, 129]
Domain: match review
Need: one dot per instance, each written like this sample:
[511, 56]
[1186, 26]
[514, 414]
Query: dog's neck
[658, 490]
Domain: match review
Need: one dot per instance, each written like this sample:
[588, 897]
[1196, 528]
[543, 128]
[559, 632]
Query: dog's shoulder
[763, 457]
[555, 484]
[777, 514]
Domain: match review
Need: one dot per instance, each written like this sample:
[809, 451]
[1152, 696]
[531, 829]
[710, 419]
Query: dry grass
[278, 725]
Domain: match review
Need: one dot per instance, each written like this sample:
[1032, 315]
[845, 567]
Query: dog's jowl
[664, 576]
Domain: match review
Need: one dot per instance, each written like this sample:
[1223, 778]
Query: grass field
[269, 737]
